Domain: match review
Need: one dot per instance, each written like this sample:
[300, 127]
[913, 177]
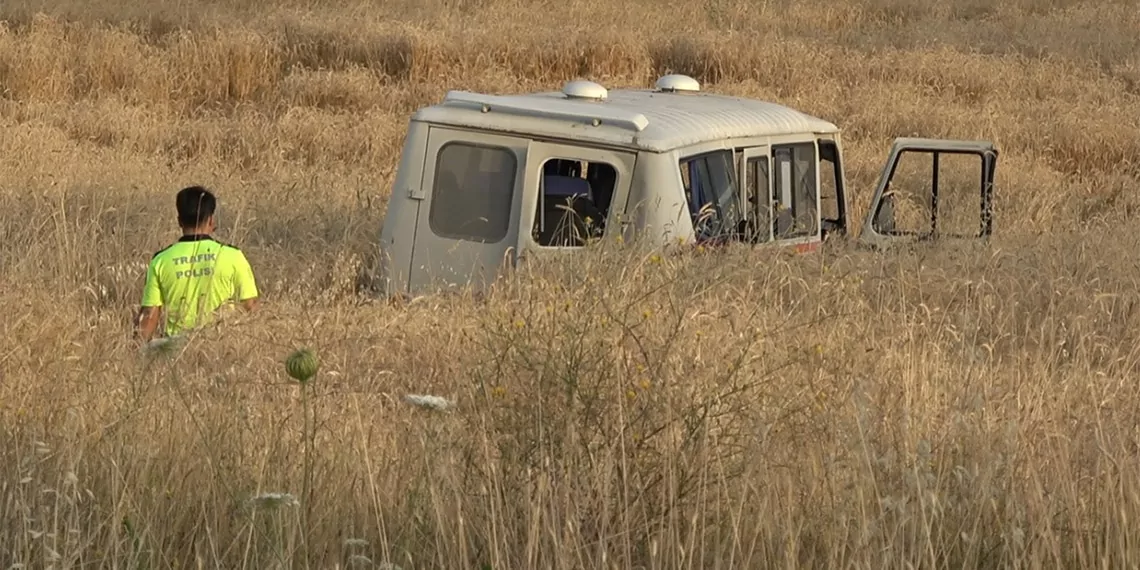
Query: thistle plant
[302, 365]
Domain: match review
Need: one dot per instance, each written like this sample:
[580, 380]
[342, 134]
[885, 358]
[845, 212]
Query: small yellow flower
[819, 349]
[498, 391]
[655, 258]
[630, 394]
[645, 384]
[647, 313]
[520, 324]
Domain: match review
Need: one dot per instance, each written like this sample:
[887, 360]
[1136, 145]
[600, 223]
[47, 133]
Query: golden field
[957, 406]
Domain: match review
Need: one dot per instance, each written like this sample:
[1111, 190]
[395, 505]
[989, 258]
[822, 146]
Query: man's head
[196, 209]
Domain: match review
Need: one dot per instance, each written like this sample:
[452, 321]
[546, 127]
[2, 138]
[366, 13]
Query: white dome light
[678, 82]
[583, 89]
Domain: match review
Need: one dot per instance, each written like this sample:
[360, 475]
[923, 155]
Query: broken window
[574, 199]
[710, 189]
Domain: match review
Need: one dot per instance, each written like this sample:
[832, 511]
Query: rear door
[572, 194]
[468, 208]
[933, 188]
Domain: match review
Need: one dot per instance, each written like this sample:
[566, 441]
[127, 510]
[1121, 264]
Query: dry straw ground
[958, 406]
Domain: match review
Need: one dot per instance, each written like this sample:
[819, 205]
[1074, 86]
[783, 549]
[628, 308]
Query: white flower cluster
[429, 402]
[270, 501]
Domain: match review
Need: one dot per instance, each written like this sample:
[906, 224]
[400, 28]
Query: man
[195, 276]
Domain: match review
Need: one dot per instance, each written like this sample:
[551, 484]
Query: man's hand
[146, 324]
[249, 305]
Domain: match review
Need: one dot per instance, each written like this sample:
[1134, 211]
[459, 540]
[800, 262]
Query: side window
[474, 187]
[759, 201]
[709, 181]
[794, 191]
[830, 184]
[573, 201]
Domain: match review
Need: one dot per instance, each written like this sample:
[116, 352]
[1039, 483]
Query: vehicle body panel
[398, 234]
[633, 119]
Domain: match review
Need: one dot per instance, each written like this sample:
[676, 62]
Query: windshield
[710, 187]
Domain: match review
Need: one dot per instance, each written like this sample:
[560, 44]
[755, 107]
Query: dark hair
[195, 204]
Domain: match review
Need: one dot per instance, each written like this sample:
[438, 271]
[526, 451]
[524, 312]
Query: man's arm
[146, 323]
[245, 284]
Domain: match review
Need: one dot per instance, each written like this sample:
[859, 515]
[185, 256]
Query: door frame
[981, 148]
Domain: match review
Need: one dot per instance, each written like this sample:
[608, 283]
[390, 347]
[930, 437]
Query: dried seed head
[302, 365]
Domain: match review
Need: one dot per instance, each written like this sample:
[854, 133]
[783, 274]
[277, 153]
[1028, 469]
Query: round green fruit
[302, 365]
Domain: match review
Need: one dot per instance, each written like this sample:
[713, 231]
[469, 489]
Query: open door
[832, 187]
[572, 195]
[933, 188]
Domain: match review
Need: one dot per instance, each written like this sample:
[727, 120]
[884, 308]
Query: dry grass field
[959, 406]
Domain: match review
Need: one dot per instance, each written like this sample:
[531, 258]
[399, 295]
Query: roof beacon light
[677, 82]
[583, 89]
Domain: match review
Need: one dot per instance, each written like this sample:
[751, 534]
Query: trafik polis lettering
[193, 272]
